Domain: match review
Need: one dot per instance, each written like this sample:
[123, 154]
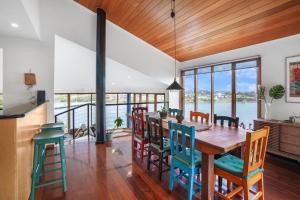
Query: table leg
[207, 172]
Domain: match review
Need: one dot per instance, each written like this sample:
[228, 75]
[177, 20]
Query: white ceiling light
[14, 25]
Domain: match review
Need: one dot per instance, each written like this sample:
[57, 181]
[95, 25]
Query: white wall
[80, 64]
[76, 23]
[20, 55]
[273, 56]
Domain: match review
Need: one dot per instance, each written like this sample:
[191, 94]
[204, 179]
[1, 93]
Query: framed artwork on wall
[293, 79]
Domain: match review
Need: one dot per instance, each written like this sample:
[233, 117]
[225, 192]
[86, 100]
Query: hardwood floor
[108, 172]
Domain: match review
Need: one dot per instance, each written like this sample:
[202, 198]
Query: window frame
[233, 84]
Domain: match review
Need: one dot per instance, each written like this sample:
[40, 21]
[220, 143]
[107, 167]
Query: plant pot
[268, 111]
[108, 136]
[179, 118]
[163, 115]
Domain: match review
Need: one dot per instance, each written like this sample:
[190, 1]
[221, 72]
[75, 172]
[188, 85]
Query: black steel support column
[100, 76]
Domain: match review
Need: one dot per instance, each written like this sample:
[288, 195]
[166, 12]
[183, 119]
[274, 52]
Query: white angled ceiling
[24, 13]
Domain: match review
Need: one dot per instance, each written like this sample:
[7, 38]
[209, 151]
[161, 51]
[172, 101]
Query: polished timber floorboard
[108, 172]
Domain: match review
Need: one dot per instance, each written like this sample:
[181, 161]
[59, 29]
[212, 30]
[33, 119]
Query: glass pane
[111, 115]
[204, 93]
[60, 103]
[222, 90]
[189, 96]
[79, 99]
[144, 98]
[151, 102]
[137, 98]
[248, 64]
[160, 98]
[1, 101]
[246, 103]
[111, 98]
[122, 109]
[122, 98]
[93, 98]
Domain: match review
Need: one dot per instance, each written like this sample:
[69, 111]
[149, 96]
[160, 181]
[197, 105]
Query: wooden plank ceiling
[204, 27]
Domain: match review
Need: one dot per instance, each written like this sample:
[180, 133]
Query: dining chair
[139, 135]
[194, 117]
[158, 145]
[232, 121]
[140, 109]
[188, 160]
[174, 111]
[245, 173]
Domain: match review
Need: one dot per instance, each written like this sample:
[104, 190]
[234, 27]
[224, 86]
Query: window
[160, 98]
[1, 101]
[232, 86]
[151, 102]
[122, 109]
[222, 89]
[246, 97]
[116, 106]
[189, 95]
[204, 90]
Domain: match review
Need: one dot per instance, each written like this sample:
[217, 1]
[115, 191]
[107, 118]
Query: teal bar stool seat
[40, 141]
[52, 126]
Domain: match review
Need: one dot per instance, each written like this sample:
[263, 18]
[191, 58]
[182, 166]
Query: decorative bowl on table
[179, 118]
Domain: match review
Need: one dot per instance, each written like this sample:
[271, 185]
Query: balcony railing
[84, 117]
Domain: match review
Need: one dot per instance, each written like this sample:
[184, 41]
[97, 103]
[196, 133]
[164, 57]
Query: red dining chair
[140, 138]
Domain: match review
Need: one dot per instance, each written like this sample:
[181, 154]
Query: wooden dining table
[215, 140]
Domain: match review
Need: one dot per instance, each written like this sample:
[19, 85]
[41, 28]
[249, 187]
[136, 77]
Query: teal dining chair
[174, 111]
[188, 160]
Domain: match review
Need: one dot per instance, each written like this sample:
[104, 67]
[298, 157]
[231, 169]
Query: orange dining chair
[195, 116]
[245, 173]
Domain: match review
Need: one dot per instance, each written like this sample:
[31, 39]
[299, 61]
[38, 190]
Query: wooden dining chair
[139, 134]
[174, 111]
[245, 173]
[158, 145]
[188, 160]
[231, 121]
[195, 116]
[140, 109]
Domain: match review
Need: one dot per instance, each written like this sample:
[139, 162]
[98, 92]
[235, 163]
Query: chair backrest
[139, 109]
[181, 135]
[232, 121]
[194, 117]
[155, 131]
[173, 112]
[255, 150]
[138, 124]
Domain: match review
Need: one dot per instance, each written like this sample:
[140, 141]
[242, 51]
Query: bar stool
[48, 136]
[52, 126]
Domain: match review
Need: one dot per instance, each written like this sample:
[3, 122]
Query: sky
[245, 80]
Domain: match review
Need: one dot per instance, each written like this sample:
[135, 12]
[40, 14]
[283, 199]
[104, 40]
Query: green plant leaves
[277, 92]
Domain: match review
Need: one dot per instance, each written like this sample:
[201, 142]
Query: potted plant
[163, 113]
[118, 123]
[276, 92]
